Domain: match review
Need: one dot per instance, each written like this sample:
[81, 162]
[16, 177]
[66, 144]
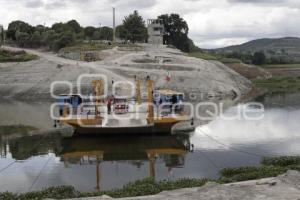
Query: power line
[38, 176]
[211, 161]
[15, 161]
[35, 180]
[236, 149]
[4, 168]
[230, 147]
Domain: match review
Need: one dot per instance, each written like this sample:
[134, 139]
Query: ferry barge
[162, 110]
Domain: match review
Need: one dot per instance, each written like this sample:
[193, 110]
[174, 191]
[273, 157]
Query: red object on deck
[168, 77]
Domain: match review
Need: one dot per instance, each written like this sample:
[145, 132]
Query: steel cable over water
[39, 174]
[16, 161]
[237, 149]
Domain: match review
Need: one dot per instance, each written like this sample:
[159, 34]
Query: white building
[155, 31]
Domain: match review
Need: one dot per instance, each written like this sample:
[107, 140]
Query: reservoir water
[32, 162]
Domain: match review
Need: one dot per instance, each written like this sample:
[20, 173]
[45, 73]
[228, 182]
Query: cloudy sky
[212, 23]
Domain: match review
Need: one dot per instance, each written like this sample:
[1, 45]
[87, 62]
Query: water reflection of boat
[135, 150]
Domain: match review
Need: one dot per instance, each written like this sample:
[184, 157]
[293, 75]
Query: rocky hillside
[205, 78]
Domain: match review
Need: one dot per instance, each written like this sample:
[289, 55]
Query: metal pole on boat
[138, 90]
[150, 101]
[99, 91]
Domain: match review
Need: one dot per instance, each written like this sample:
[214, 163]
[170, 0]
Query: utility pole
[114, 25]
[100, 31]
[2, 35]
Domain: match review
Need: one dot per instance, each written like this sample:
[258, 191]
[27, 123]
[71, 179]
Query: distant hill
[283, 49]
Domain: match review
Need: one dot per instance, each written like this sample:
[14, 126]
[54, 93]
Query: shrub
[282, 161]
[249, 173]
[18, 56]
[182, 183]
[8, 196]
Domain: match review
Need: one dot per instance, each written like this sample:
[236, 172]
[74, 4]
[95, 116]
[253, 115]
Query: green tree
[40, 28]
[74, 26]
[96, 35]
[65, 39]
[18, 26]
[36, 39]
[135, 26]
[49, 36]
[2, 35]
[259, 58]
[89, 32]
[80, 35]
[106, 33]
[70, 26]
[176, 32]
[122, 33]
[22, 38]
[60, 27]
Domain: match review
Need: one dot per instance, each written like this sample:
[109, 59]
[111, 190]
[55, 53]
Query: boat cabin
[72, 99]
[169, 98]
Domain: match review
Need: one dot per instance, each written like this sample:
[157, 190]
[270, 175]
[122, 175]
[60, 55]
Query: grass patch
[60, 192]
[230, 175]
[217, 57]
[149, 186]
[99, 46]
[15, 56]
[229, 60]
[279, 84]
[90, 46]
[281, 65]
[129, 47]
[271, 166]
[143, 187]
[146, 60]
[10, 129]
[204, 55]
[283, 161]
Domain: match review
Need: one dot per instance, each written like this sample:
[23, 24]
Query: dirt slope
[32, 79]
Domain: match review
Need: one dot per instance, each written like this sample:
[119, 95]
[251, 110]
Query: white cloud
[213, 23]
